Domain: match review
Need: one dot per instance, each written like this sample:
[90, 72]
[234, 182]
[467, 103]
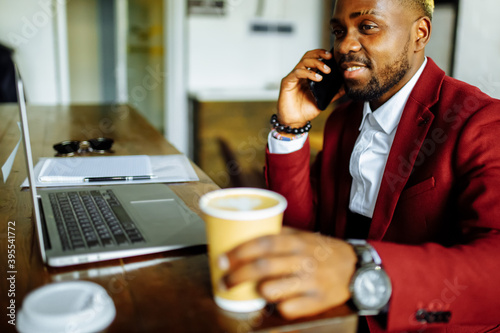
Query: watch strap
[365, 252]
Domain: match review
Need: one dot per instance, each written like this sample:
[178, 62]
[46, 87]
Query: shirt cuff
[277, 146]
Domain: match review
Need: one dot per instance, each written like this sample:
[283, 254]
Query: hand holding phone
[296, 102]
[324, 90]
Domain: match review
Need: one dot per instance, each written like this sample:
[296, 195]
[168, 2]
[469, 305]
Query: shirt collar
[389, 113]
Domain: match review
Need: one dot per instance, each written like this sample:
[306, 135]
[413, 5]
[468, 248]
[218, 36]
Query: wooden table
[165, 292]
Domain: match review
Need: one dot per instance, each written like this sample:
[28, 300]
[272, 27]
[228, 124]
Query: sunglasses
[72, 147]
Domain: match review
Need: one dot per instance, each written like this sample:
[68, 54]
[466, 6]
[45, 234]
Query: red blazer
[437, 217]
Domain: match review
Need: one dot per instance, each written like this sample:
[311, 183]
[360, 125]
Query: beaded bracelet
[275, 134]
[287, 129]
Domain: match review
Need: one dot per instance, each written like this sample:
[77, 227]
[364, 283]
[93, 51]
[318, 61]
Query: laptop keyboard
[87, 219]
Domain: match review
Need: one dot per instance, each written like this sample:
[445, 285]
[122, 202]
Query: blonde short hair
[426, 7]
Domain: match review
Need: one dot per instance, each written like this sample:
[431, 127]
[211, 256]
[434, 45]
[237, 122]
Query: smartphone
[326, 89]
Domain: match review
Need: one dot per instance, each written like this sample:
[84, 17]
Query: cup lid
[75, 306]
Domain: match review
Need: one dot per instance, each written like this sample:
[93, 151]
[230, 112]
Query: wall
[441, 43]
[84, 51]
[26, 25]
[477, 58]
[91, 48]
[222, 50]
[225, 54]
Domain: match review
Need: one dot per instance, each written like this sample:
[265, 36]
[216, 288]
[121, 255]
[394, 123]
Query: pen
[117, 178]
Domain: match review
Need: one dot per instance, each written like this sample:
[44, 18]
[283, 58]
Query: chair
[254, 177]
[7, 76]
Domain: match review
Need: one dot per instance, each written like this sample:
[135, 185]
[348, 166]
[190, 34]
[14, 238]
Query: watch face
[372, 288]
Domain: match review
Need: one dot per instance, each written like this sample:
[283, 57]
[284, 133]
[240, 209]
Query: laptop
[94, 223]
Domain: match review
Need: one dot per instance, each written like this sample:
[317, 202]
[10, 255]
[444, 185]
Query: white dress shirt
[370, 153]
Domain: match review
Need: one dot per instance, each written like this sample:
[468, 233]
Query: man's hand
[303, 272]
[296, 104]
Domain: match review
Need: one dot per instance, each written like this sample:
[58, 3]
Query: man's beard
[379, 85]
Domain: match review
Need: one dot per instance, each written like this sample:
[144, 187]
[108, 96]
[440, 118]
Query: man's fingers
[316, 54]
[302, 73]
[307, 305]
[309, 64]
[277, 290]
[264, 268]
[314, 64]
[271, 245]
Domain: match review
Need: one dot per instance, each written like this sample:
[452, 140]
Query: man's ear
[423, 28]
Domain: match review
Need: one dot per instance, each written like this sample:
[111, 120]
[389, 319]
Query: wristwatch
[370, 285]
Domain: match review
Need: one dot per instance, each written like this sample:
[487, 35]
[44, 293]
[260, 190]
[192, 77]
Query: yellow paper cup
[232, 217]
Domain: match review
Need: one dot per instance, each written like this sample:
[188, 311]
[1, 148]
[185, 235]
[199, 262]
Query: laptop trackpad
[164, 218]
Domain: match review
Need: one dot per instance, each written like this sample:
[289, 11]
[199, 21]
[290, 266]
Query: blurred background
[206, 73]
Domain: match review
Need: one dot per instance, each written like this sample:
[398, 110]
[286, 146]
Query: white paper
[76, 169]
[165, 168]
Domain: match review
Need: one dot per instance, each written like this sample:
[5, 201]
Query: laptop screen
[29, 160]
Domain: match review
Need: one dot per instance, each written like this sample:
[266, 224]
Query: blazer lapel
[412, 130]
[344, 178]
